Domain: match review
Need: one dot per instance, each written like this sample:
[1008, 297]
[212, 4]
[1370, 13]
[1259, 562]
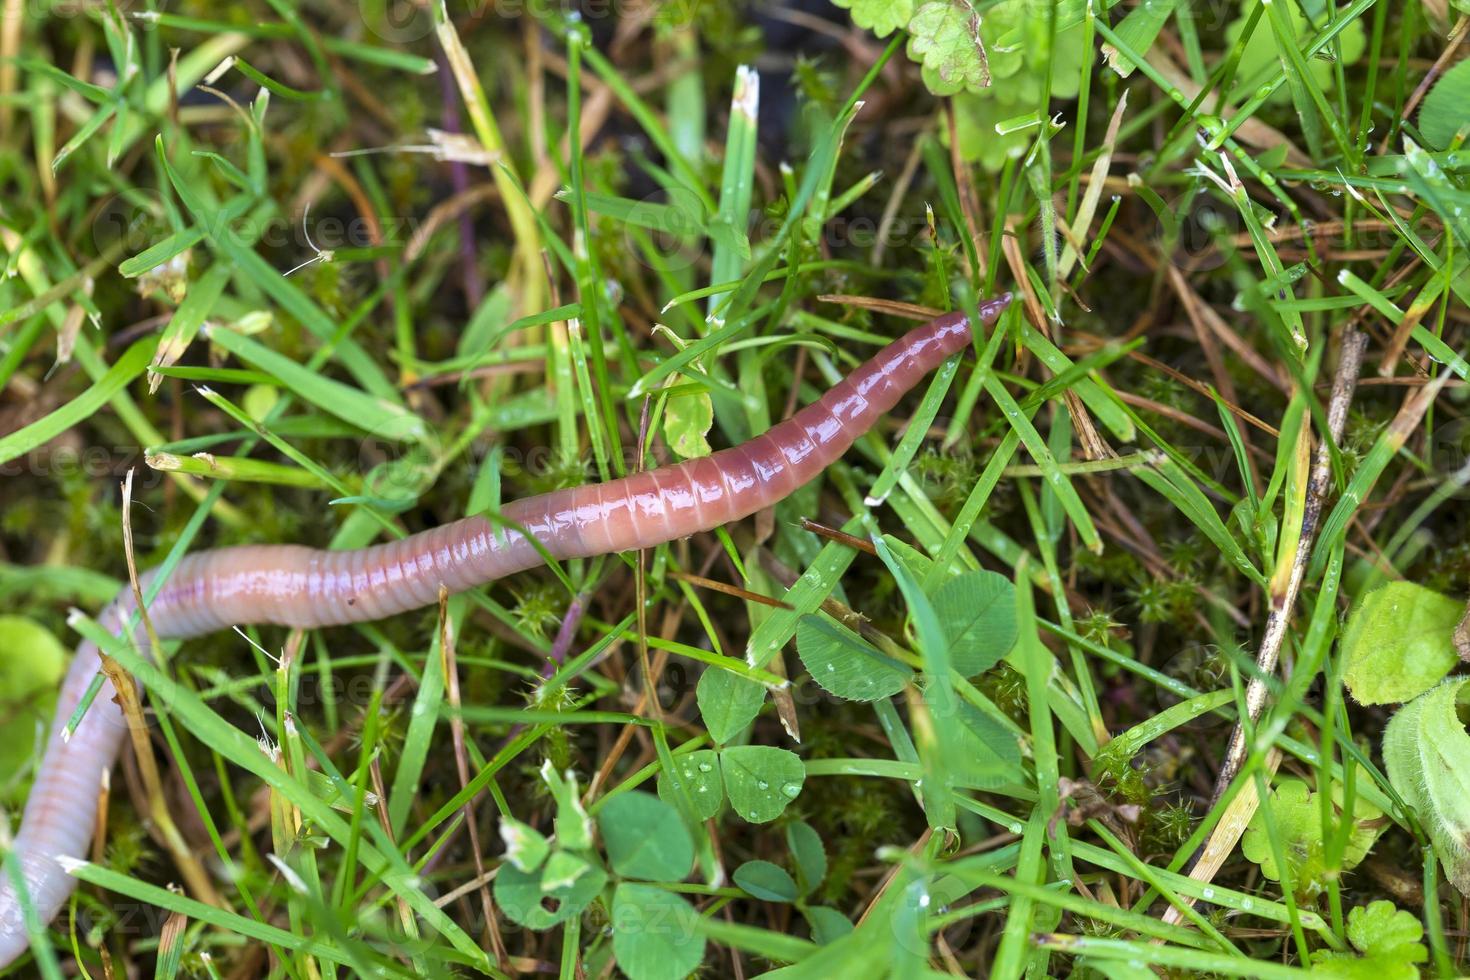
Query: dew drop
[791, 790]
[1207, 894]
[1246, 905]
[705, 767]
[762, 784]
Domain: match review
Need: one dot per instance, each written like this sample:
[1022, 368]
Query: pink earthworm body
[293, 585]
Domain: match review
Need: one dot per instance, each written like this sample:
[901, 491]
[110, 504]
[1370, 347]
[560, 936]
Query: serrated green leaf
[808, 854]
[761, 780]
[1298, 818]
[845, 664]
[655, 934]
[700, 776]
[645, 838]
[1388, 939]
[1399, 642]
[727, 702]
[944, 37]
[765, 881]
[882, 17]
[978, 613]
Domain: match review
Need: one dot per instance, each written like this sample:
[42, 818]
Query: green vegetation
[1054, 674]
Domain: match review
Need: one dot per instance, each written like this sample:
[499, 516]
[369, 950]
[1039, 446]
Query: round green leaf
[727, 702]
[1443, 112]
[525, 900]
[882, 17]
[655, 933]
[828, 924]
[808, 853]
[761, 780]
[687, 420]
[845, 664]
[699, 778]
[978, 613]
[1399, 642]
[645, 838]
[31, 664]
[1297, 814]
[766, 881]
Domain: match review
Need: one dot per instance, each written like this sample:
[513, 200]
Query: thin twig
[1227, 832]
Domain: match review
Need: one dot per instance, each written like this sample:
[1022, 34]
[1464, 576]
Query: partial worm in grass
[293, 585]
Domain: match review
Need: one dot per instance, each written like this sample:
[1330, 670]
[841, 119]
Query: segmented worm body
[297, 586]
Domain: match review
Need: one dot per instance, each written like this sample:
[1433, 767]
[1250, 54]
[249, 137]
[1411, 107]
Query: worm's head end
[991, 309]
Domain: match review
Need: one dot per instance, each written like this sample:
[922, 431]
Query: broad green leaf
[32, 661]
[1443, 113]
[845, 664]
[687, 420]
[1399, 642]
[761, 780]
[808, 853]
[1298, 817]
[655, 934]
[727, 702]
[645, 837]
[991, 753]
[699, 773]
[882, 17]
[977, 611]
[1388, 940]
[945, 38]
[525, 847]
[766, 881]
[573, 827]
[1427, 753]
[828, 924]
[524, 900]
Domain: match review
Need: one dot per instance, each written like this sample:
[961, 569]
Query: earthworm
[298, 586]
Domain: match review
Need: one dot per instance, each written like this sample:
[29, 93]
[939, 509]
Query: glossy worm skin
[292, 585]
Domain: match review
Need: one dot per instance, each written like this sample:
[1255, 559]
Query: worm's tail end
[61, 812]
